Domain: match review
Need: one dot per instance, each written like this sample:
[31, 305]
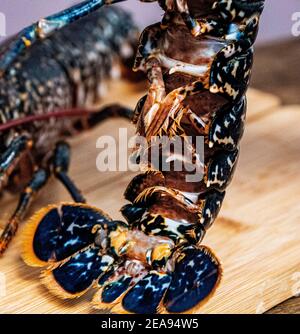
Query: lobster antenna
[44, 28]
[67, 113]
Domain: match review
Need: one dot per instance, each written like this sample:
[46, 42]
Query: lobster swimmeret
[198, 62]
[39, 88]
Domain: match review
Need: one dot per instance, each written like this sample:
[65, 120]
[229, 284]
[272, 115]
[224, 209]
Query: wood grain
[257, 235]
[291, 306]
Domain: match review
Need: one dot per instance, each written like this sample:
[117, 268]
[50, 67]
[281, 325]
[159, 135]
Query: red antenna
[66, 113]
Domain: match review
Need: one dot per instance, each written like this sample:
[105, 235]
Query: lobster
[49, 79]
[198, 61]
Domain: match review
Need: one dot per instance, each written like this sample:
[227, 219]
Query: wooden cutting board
[257, 235]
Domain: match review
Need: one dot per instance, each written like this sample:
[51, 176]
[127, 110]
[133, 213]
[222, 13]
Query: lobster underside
[198, 61]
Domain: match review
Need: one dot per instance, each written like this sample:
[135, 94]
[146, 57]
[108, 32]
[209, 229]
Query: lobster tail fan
[63, 237]
[196, 276]
[146, 295]
[58, 231]
[73, 277]
[112, 291]
[140, 291]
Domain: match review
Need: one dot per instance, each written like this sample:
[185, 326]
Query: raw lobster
[198, 61]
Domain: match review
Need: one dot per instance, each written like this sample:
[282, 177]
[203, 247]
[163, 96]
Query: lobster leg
[138, 109]
[109, 112]
[60, 165]
[148, 45]
[61, 161]
[11, 157]
[180, 6]
[44, 27]
[37, 182]
[147, 60]
[191, 23]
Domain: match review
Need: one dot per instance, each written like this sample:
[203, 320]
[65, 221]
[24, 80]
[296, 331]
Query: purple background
[276, 22]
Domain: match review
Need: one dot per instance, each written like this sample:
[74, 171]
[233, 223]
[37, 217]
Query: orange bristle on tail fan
[29, 231]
